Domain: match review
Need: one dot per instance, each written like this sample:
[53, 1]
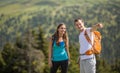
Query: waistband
[88, 59]
[82, 54]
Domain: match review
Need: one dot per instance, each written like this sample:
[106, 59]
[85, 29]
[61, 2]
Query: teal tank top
[59, 52]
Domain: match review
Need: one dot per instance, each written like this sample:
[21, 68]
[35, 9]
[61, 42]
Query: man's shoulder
[89, 28]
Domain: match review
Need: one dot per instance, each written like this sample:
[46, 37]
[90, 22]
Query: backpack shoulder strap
[87, 37]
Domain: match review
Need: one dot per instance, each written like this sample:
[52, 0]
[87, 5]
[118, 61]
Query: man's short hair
[78, 19]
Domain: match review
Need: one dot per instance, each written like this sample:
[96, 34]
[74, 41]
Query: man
[87, 62]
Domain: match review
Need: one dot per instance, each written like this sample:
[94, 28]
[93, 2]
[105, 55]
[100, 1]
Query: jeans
[62, 64]
[88, 66]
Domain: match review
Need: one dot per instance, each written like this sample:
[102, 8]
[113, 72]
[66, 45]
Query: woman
[59, 50]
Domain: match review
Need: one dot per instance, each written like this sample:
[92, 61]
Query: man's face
[79, 25]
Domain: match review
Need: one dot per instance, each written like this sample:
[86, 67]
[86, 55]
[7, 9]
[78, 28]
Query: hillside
[18, 16]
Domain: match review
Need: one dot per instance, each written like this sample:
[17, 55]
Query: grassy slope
[26, 9]
[19, 6]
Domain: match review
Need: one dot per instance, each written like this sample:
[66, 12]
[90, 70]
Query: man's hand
[99, 25]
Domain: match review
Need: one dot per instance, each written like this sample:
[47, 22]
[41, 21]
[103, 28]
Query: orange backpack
[96, 46]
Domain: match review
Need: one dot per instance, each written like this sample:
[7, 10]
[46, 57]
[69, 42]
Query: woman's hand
[50, 63]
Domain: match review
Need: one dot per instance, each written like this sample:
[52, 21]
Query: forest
[27, 25]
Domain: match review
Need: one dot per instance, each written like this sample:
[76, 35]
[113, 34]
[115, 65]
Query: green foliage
[2, 62]
[74, 54]
[22, 57]
[17, 17]
[102, 66]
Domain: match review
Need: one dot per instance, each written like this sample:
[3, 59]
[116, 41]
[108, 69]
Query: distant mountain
[18, 16]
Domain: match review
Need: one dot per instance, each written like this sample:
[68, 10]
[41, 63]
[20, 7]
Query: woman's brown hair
[56, 36]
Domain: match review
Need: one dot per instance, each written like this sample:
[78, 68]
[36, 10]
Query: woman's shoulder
[50, 38]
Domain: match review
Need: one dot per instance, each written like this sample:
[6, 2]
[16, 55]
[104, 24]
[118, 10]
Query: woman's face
[62, 29]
